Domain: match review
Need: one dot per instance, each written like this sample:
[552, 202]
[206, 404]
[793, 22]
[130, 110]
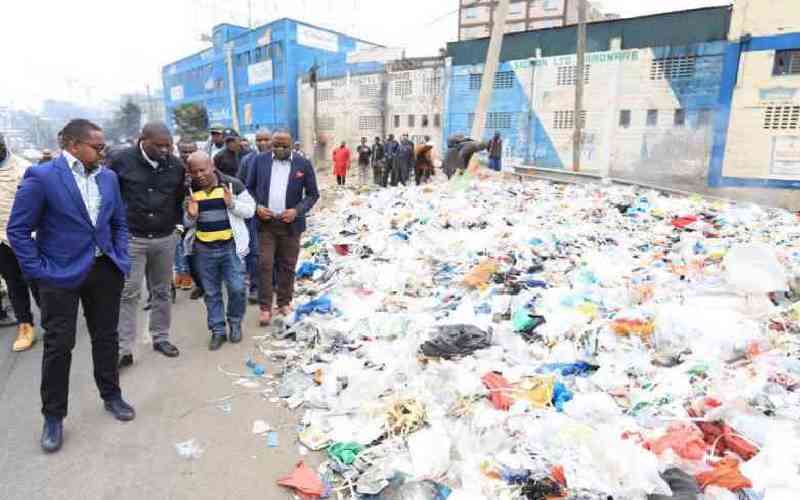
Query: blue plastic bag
[560, 396]
[579, 368]
[307, 269]
[321, 305]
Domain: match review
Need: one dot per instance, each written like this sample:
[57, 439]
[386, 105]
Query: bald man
[151, 181]
[218, 237]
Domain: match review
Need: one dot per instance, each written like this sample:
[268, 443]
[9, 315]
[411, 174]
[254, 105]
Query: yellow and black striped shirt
[213, 224]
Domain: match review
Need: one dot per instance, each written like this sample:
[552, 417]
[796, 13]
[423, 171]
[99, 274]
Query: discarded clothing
[304, 481]
[453, 341]
[685, 440]
[683, 486]
[542, 489]
[321, 305]
[726, 474]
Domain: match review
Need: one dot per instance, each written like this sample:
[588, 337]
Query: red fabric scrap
[304, 480]
[557, 473]
[722, 436]
[683, 222]
[499, 390]
[685, 440]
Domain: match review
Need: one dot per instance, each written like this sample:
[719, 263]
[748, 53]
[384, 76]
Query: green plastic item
[344, 453]
[521, 320]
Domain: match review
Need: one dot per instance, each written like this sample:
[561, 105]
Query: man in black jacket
[152, 186]
[378, 162]
[228, 160]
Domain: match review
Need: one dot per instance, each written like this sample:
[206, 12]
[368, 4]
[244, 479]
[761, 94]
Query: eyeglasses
[97, 147]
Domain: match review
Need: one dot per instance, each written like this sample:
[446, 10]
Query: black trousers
[100, 296]
[17, 286]
[340, 180]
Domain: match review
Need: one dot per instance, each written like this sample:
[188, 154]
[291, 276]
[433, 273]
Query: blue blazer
[49, 203]
[301, 192]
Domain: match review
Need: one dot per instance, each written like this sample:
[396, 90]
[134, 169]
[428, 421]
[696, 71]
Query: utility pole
[490, 68]
[232, 86]
[580, 71]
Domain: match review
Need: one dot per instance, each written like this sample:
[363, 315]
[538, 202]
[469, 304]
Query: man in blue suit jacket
[285, 189]
[80, 254]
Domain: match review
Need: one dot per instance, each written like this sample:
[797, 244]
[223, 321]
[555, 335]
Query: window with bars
[475, 81]
[625, 118]
[504, 79]
[565, 120]
[339, 82]
[787, 62]
[652, 117]
[680, 118]
[425, 121]
[432, 86]
[673, 68]
[782, 118]
[499, 120]
[396, 121]
[402, 88]
[411, 120]
[370, 122]
[568, 75]
[437, 120]
[369, 90]
[326, 123]
[325, 94]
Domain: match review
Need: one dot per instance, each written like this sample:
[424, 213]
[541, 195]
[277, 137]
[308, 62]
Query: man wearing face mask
[79, 257]
[285, 189]
[151, 180]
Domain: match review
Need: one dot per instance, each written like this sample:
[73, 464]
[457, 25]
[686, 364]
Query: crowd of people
[394, 162]
[95, 230]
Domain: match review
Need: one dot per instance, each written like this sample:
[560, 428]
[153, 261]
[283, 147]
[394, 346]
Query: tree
[126, 123]
[191, 121]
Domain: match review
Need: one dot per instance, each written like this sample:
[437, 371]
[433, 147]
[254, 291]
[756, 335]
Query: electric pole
[490, 68]
[580, 71]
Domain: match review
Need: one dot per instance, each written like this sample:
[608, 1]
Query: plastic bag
[190, 450]
[755, 268]
[430, 452]
[481, 274]
[303, 480]
[344, 453]
[685, 440]
[725, 474]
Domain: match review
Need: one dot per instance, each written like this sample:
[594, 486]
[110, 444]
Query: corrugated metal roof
[659, 30]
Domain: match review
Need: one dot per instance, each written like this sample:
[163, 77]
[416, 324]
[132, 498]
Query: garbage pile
[492, 339]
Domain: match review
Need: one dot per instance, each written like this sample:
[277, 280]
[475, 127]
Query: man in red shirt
[341, 162]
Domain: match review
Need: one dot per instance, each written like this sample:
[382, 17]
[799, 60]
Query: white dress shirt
[278, 183]
[87, 185]
[152, 163]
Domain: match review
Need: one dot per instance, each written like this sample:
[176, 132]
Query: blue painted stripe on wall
[722, 124]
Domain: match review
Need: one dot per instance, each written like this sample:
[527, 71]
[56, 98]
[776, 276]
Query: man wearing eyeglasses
[151, 181]
[285, 189]
[79, 256]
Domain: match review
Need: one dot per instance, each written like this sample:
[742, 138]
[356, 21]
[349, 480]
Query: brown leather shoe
[285, 310]
[26, 336]
[265, 318]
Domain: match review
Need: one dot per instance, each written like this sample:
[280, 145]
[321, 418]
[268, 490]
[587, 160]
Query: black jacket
[227, 162]
[153, 196]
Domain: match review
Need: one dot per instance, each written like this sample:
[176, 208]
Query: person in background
[218, 237]
[460, 150]
[228, 161]
[79, 257]
[47, 155]
[298, 150]
[216, 141]
[496, 153]
[263, 145]
[341, 162]
[151, 181]
[404, 161]
[12, 170]
[378, 162]
[184, 276]
[423, 168]
[364, 153]
[244, 147]
[390, 149]
[285, 190]
[7, 317]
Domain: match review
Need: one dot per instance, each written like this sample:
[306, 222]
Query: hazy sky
[97, 49]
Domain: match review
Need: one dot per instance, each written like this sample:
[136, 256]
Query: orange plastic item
[721, 435]
[557, 473]
[499, 390]
[638, 327]
[726, 474]
[685, 440]
[481, 274]
[305, 481]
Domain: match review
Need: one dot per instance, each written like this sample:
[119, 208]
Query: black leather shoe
[120, 409]
[216, 342]
[197, 293]
[125, 360]
[167, 349]
[52, 435]
[235, 334]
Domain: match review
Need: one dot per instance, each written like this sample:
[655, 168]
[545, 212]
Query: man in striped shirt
[218, 237]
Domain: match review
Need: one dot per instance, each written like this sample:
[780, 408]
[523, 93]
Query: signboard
[176, 93]
[785, 157]
[318, 39]
[266, 38]
[374, 54]
[259, 73]
[248, 114]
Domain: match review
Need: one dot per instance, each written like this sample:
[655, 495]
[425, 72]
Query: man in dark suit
[285, 189]
[79, 255]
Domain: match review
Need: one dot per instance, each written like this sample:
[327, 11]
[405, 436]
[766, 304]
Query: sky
[88, 51]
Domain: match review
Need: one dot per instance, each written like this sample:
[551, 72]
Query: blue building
[248, 78]
[706, 100]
